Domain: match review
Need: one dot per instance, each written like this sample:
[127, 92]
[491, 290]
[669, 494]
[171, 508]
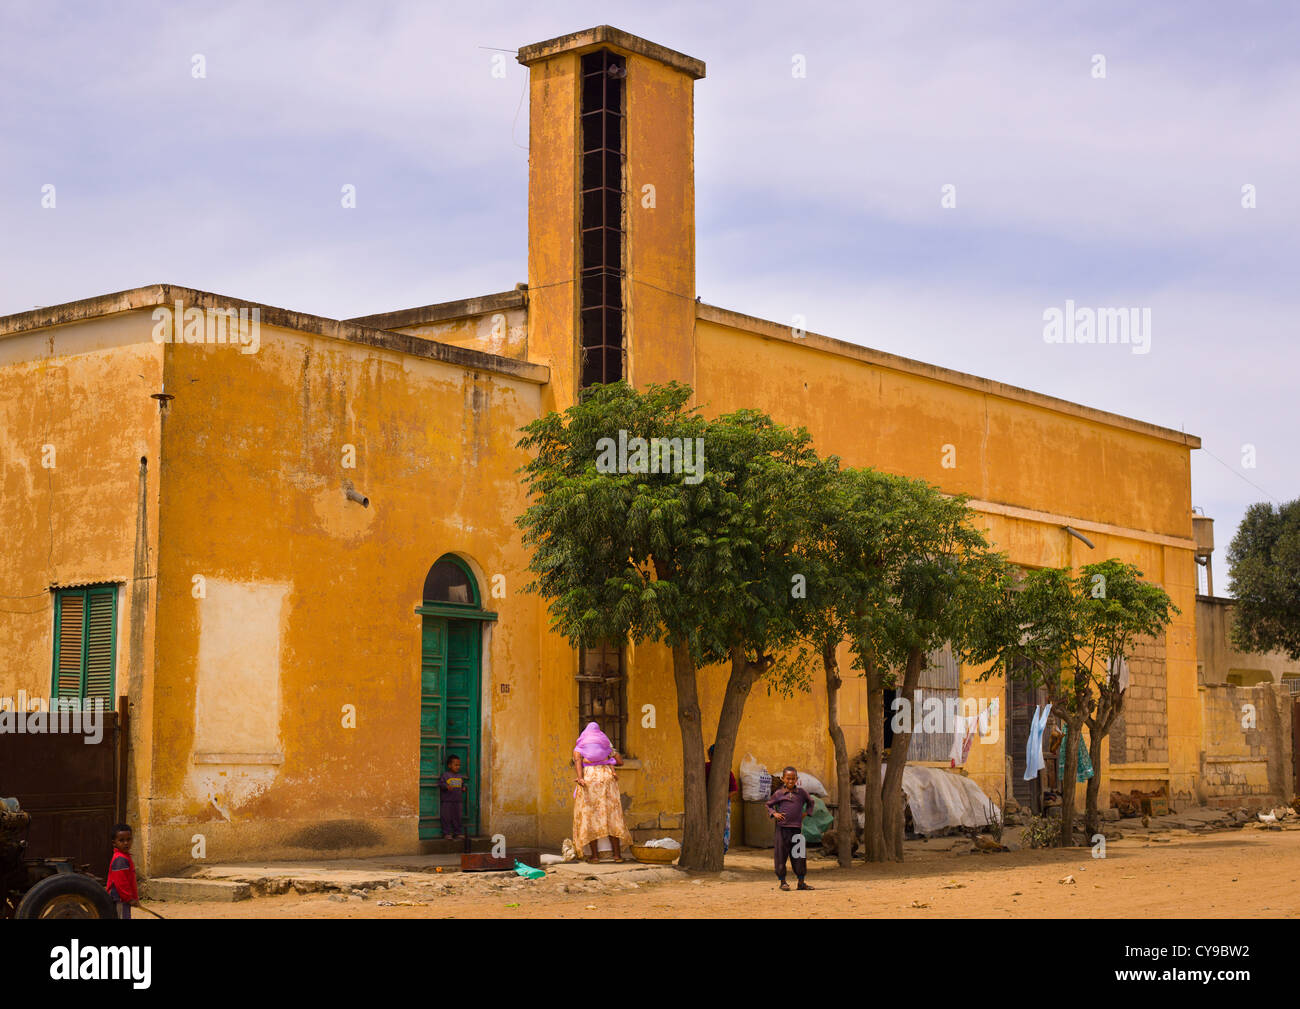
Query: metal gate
[70, 786]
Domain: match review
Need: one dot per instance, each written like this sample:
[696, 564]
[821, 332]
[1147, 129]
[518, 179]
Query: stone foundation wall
[1247, 758]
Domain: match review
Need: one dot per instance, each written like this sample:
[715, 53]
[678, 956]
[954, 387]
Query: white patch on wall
[500, 332]
[237, 751]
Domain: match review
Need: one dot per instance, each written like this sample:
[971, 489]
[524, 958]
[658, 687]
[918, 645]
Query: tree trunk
[1068, 780]
[695, 827]
[1092, 816]
[843, 789]
[891, 791]
[743, 675]
[1108, 709]
[873, 838]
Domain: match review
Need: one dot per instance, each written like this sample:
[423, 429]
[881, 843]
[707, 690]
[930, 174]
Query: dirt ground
[1228, 874]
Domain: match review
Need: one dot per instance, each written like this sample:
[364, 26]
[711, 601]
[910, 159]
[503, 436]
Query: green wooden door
[449, 715]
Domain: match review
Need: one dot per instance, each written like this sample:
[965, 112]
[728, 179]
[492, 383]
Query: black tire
[67, 895]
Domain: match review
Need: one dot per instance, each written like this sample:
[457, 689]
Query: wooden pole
[123, 748]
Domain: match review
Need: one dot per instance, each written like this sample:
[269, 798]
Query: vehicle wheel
[67, 895]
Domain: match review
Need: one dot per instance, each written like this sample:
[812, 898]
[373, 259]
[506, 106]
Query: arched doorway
[451, 662]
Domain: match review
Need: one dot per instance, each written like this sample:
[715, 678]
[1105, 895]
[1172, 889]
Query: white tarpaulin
[940, 799]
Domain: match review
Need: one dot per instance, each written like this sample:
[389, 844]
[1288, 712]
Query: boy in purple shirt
[787, 806]
[451, 799]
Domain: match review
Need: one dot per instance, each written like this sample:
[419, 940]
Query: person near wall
[451, 799]
[597, 804]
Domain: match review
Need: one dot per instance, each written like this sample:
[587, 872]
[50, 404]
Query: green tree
[838, 564]
[1120, 610]
[944, 589]
[1264, 575]
[1069, 635]
[702, 561]
[1048, 613]
[900, 571]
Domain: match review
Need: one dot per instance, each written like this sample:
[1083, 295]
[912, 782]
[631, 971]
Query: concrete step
[175, 888]
[446, 846]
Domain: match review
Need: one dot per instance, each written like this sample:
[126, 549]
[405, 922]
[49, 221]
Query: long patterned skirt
[598, 809]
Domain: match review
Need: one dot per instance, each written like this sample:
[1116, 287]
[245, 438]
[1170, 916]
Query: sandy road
[1230, 874]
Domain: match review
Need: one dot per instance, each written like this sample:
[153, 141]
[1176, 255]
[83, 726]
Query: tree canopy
[700, 556]
[1068, 633]
[1264, 570]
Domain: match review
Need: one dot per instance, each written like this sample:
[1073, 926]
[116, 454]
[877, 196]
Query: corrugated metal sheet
[81, 583]
[940, 679]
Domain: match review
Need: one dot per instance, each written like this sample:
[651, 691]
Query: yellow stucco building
[251, 509]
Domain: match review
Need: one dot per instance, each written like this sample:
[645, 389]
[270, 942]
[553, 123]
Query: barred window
[603, 259]
[602, 692]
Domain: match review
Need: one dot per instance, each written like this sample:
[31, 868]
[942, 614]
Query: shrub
[1041, 832]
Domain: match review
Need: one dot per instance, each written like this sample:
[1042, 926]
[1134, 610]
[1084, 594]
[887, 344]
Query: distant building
[1219, 661]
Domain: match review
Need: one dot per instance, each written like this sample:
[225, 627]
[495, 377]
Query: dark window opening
[601, 293]
[602, 692]
[448, 582]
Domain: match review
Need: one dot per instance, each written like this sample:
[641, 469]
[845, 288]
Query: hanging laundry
[1034, 747]
[1034, 750]
[988, 718]
[970, 738]
[1122, 676]
[961, 737]
[1083, 764]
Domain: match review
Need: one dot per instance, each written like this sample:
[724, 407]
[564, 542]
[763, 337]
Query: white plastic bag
[755, 782]
[811, 785]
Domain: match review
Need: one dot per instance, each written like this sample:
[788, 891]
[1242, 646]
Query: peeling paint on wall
[237, 749]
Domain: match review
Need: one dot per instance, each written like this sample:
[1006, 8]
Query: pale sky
[818, 196]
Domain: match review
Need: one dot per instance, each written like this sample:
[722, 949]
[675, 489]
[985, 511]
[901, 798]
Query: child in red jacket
[121, 872]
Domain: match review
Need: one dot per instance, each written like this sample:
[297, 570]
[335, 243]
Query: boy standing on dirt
[121, 873]
[787, 806]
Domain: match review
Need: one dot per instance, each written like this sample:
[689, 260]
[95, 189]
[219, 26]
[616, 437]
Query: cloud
[818, 195]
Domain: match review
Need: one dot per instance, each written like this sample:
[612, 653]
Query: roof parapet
[591, 38]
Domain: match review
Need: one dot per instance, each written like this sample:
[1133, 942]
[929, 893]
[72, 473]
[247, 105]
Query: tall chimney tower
[611, 210]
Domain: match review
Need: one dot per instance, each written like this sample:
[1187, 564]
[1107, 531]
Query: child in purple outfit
[787, 806]
[451, 796]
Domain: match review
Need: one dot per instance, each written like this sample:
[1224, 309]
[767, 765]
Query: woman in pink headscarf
[597, 805]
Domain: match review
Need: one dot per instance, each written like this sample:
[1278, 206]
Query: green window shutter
[101, 640]
[85, 635]
[69, 627]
